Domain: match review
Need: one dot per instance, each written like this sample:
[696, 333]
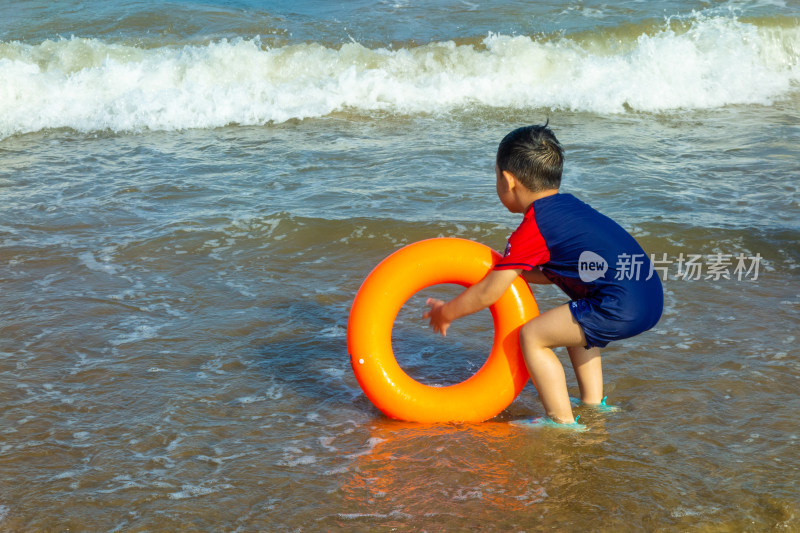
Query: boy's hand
[476, 297]
[438, 322]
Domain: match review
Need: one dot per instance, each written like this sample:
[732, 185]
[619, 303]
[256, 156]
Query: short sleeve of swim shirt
[526, 247]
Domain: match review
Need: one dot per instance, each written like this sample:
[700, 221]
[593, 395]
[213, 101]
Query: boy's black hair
[534, 156]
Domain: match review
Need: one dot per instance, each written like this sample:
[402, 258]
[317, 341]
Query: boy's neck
[531, 196]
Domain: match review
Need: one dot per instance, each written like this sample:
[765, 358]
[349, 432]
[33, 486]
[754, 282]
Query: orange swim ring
[369, 334]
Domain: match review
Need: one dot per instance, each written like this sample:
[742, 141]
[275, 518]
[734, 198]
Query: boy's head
[534, 156]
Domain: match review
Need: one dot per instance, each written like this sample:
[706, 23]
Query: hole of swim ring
[435, 360]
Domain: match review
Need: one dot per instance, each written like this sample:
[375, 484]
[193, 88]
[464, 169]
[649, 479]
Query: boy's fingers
[430, 302]
[433, 303]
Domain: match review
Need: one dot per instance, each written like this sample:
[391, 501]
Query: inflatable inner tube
[369, 334]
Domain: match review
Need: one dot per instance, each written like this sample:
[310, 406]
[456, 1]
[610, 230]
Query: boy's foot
[547, 422]
[601, 407]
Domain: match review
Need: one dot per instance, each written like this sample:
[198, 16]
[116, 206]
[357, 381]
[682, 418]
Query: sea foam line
[90, 85]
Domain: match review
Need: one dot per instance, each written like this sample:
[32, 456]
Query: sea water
[192, 194]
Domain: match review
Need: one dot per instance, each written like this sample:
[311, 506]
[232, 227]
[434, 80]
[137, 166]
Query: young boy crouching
[564, 241]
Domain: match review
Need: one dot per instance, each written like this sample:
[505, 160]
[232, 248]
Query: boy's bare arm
[473, 299]
[536, 276]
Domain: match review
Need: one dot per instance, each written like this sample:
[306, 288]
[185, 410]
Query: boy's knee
[529, 335]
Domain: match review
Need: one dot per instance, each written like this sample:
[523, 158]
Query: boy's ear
[510, 180]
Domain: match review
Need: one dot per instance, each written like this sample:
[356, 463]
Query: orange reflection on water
[423, 470]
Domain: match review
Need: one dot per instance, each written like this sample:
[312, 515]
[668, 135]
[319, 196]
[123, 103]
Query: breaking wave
[90, 84]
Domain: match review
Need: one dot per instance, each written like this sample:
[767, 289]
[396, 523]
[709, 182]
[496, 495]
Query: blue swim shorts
[603, 320]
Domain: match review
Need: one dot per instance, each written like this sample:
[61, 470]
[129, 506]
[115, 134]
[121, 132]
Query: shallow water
[176, 286]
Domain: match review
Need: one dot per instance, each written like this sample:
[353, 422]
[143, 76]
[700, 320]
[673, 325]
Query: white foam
[67, 474]
[89, 84]
[81, 435]
[244, 400]
[125, 483]
[303, 460]
[355, 516]
[219, 459]
[333, 372]
[334, 331]
[326, 443]
[372, 442]
[274, 392]
[193, 491]
[140, 332]
[241, 288]
[173, 445]
[89, 261]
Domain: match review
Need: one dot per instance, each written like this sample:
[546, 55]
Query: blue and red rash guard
[615, 293]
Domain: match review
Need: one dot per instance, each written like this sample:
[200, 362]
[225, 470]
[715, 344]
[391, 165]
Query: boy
[614, 293]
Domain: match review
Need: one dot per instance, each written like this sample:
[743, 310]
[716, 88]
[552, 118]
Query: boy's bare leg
[589, 372]
[556, 327]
